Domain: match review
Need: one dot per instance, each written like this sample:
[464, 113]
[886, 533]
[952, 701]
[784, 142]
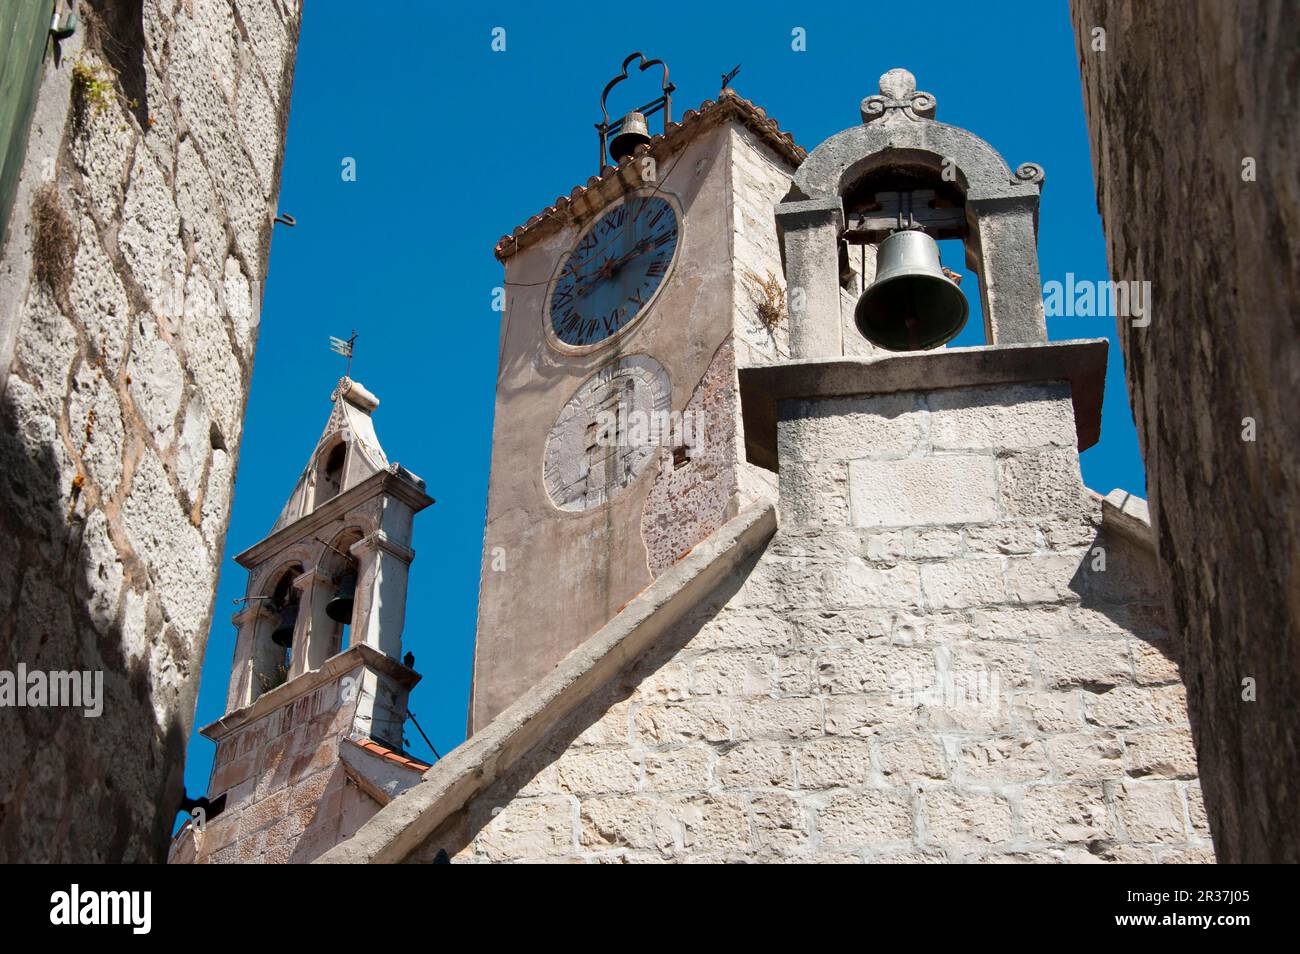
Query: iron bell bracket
[662, 103]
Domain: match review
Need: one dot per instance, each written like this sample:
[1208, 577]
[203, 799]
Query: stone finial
[356, 394]
[898, 99]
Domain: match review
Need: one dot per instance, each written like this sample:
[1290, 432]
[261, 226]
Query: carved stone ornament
[898, 100]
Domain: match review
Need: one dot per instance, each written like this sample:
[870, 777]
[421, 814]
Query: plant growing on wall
[770, 296]
[275, 680]
[93, 85]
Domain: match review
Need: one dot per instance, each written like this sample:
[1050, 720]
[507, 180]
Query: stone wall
[939, 657]
[131, 287]
[757, 180]
[288, 794]
[1192, 111]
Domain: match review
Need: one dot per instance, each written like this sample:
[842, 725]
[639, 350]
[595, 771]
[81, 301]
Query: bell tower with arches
[312, 741]
[900, 170]
[342, 544]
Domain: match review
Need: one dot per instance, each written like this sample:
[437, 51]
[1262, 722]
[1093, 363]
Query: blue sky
[455, 144]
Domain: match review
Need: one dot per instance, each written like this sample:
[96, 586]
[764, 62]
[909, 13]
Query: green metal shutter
[24, 36]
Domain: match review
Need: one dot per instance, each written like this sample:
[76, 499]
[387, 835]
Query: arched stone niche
[993, 210]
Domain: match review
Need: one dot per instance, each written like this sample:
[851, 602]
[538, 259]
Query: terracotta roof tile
[391, 755]
[728, 105]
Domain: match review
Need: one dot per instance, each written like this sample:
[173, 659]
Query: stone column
[1003, 242]
[380, 614]
[254, 624]
[810, 232]
[313, 636]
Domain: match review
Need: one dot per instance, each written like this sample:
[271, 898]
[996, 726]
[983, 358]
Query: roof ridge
[753, 115]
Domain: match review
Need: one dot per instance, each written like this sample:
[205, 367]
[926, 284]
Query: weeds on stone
[269, 682]
[54, 245]
[93, 85]
[771, 298]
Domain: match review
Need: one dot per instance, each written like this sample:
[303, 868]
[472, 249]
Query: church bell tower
[311, 744]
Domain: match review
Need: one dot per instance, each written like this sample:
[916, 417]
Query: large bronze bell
[282, 635]
[911, 306]
[632, 132]
[339, 608]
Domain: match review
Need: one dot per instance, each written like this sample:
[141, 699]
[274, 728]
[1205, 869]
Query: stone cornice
[360, 655]
[1127, 515]
[254, 609]
[384, 482]
[378, 540]
[1082, 363]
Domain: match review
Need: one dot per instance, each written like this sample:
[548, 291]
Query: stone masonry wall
[288, 797]
[132, 283]
[685, 505]
[1194, 116]
[757, 181]
[927, 663]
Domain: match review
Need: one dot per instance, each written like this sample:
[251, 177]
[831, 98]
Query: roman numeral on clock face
[614, 270]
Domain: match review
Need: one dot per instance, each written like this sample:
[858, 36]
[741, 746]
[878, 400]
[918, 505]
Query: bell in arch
[632, 132]
[912, 305]
[282, 635]
[339, 608]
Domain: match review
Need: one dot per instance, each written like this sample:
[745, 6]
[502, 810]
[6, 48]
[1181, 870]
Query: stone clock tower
[618, 443]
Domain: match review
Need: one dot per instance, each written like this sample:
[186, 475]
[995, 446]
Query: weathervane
[345, 348]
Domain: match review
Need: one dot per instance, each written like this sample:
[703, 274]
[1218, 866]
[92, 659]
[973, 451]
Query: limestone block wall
[1192, 112]
[288, 797]
[758, 180]
[927, 663]
[129, 294]
[686, 504]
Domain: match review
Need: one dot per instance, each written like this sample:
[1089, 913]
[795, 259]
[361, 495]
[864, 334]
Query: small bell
[912, 305]
[282, 635]
[339, 608]
[632, 132]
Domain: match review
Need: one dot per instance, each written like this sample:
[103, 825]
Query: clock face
[613, 272]
[601, 441]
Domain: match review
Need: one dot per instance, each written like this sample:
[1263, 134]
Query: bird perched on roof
[409, 660]
[210, 808]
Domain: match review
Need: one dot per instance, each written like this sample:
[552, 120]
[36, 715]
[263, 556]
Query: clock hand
[610, 266]
[636, 252]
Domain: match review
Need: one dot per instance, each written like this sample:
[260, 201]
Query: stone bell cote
[332, 574]
[901, 171]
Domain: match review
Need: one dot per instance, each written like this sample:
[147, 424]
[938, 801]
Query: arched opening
[329, 473]
[273, 652]
[912, 191]
[337, 597]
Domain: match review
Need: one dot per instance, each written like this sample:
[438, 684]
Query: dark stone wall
[1180, 98]
[130, 286]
